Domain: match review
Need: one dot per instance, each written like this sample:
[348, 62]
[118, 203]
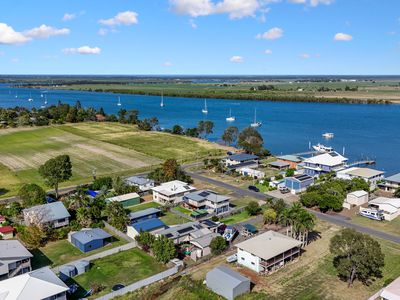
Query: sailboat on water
[44, 103]
[255, 123]
[205, 109]
[230, 118]
[119, 101]
[162, 99]
[30, 99]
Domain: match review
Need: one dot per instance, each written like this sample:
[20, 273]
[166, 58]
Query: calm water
[371, 131]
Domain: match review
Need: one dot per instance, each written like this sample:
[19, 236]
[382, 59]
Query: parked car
[254, 188]
[284, 190]
[232, 258]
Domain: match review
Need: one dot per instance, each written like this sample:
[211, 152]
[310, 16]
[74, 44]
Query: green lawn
[183, 210]
[9, 182]
[135, 208]
[392, 227]
[125, 267]
[172, 219]
[60, 252]
[236, 218]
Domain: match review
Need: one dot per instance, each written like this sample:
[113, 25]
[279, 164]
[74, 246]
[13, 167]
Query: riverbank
[244, 91]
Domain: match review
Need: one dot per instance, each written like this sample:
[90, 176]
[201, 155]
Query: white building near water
[390, 207]
[371, 176]
[356, 198]
[171, 192]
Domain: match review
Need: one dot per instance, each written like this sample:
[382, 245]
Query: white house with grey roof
[171, 192]
[51, 214]
[144, 184]
[14, 259]
[242, 160]
[371, 176]
[41, 284]
[227, 283]
[267, 252]
[207, 200]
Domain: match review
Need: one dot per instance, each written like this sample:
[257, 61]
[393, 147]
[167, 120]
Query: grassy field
[125, 267]
[386, 226]
[60, 252]
[236, 218]
[183, 210]
[109, 148]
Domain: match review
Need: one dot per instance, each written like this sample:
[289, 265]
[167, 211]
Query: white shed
[390, 207]
[356, 198]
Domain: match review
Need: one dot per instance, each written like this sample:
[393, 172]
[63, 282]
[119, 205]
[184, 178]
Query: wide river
[364, 131]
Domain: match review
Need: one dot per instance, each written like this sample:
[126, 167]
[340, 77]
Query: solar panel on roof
[204, 194]
[333, 154]
[187, 187]
[184, 230]
[168, 235]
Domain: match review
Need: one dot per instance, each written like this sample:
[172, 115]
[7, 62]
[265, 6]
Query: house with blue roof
[145, 214]
[150, 225]
[89, 239]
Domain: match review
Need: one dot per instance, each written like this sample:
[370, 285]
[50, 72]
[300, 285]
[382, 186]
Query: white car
[232, 258]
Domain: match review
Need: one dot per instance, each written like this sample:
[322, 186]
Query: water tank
[67, 271]
[82, 266]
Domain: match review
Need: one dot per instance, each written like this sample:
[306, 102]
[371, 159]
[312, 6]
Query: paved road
[335, 219]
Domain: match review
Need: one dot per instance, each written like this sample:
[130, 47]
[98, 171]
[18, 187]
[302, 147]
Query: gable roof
[279, 164]
[268, 244]
[394, 178]
[205, 240]
[173, 187]
[327, 159]
[138, 180]
[242, 157]
[361, 193]
[38, 284]
[202, 195]
[6, 229]
[391, 205]
[143, 213]
[177, 231]
[226, 277]
[124, 197]
[363, 172]
[12, 249]
[148, 225]
[49, 211]
[85, 236]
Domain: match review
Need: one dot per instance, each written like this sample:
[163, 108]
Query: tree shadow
[3, 191]
[314, 236]
[80, 291]
[39, 259]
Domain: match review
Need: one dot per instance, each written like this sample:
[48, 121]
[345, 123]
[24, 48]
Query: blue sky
[265, 37]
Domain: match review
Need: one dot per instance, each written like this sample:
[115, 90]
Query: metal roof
[364, 172]
[203, 195]
[268, 244]
[301, 177]
[173, 188]
[86, 236]
[124, 197]
[327, 159]
[13, 249]
[242, 165]
[180, 230]
[205, 240]
[358, 193]
[226, 277]
[292, 158]
[242, 157]
[143, 213]
[49, 212]
[148, 225]
[138, 180]
[279, 164]
[394, 178]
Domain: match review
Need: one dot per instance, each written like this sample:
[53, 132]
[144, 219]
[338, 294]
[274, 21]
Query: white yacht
[230, 118]
[255, 123]
[205, 109]
[328, 135]
[119, 101]
[30, 99]
[162, 100]
[322, 148]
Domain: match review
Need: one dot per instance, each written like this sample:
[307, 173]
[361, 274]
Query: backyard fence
[118, 232]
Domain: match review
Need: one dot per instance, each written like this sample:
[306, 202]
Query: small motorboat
[328, 135]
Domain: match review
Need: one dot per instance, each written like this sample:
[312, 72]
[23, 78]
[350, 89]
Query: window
[242, 258]
[253, 263]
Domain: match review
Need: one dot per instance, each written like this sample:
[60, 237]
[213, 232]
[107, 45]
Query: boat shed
[227, 283]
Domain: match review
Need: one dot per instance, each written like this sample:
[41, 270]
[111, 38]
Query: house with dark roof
[185, 232]
[292, 160]
[14, 259]
[298, 183]
[52, 214]
[227, 283]
[145, 214]
[207, 200]
[237, 161]
[89, 239]
[151, 225]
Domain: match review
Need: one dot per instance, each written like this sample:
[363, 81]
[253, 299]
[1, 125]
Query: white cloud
[193, 24]
[8, 36]
[236, 9]
[237, 59]
[298, 1]
[344, 37]
[68, 17]
[305, 56]
[167, 64]
[268, 51]
[82, 50]
[123, 18]
[44, 32]
[271, 34]
[318, 2]
[105, 31]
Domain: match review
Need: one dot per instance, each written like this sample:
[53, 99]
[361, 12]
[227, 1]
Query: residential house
[145, 214]
[390, 207]
[279, 165]
[391, 183]
[292, 160]
[52, 214]
[151, 225]
[227, 283]
[89, 239]
[356, 198]
[298, 183]
[142, 183]
[6, 232]
[126, 199]
[207, 200]
[391, 291]
[171, 192]
[324, 163]
[248, 172]
[267, 252]
[369, 175]
[200, 246]
[41, 284]
[14, 259]
[184, 232]
[241, 160]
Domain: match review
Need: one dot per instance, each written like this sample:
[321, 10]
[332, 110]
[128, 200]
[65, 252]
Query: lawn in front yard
[392, 227]
[125, 267]
[60, 252]
[183, 210]
[236, 218]
[170, 218]
[135, 208]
